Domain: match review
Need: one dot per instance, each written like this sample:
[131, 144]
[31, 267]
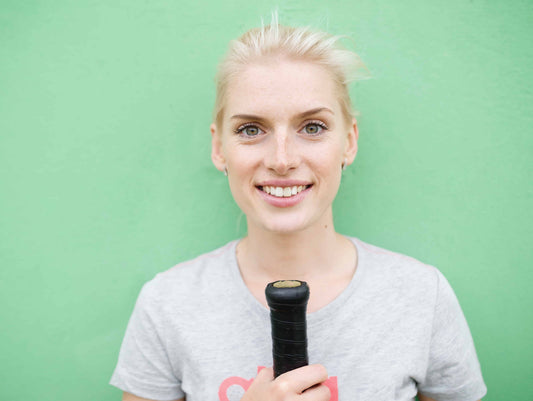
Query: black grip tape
[288, 306]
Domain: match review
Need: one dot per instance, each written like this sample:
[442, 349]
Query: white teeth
[284, 192]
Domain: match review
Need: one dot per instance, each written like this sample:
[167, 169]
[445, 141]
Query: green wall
[106, 178]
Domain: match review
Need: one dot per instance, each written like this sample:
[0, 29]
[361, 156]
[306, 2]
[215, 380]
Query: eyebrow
[301, 115]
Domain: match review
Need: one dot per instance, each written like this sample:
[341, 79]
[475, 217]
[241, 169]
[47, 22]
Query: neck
[303, 255]
[318, 255]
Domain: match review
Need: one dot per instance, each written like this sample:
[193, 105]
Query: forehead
[281, 87]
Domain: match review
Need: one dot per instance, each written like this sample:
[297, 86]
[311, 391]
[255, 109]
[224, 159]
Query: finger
[265, 375]
[302, 378]
[316, 393]
[261, 382]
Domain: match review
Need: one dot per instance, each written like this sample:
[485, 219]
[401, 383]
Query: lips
[284, 195]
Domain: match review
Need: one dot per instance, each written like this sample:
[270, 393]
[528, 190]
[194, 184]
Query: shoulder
[190, 280]
[397, 274]
[397, 265]
[405, 289]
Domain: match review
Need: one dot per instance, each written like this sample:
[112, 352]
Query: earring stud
[344, 164]
[226, 171]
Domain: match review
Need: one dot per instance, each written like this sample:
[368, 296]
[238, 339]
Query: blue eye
[248, 130]
[314, 128]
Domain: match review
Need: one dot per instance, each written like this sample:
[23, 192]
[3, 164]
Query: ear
[351, 142]
[217, 155]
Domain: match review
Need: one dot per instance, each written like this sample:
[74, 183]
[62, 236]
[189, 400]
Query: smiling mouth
[283, 192]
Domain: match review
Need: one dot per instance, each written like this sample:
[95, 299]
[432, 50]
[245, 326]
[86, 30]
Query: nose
[282, 155]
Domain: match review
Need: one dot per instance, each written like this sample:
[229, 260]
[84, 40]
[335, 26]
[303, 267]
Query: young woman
[381, 326]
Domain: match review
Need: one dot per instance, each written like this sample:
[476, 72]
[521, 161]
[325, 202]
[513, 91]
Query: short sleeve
[453, 372]
[143, 367]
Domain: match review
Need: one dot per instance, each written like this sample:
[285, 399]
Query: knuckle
[280, 388]
[321, 371]
[265, 374]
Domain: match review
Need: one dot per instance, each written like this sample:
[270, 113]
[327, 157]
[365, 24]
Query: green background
[106, 178]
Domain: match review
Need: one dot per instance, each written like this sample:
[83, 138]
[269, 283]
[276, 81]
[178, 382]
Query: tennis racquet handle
[287, 300]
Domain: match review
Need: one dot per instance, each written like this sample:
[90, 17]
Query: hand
[304, 383]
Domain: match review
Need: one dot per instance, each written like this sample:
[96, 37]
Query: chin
[284, 226]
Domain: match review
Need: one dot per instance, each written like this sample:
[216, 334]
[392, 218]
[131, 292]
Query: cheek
[328, 161]
[327, 166]
[240, 163]
[243, 158]
[241, 167]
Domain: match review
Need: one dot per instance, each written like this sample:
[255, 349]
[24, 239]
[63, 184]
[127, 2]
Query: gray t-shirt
[197, 332]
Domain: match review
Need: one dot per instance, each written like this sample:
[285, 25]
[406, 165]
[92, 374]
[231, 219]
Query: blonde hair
[302, 44]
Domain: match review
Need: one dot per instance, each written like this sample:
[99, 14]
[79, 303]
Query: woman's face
[283, 140]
